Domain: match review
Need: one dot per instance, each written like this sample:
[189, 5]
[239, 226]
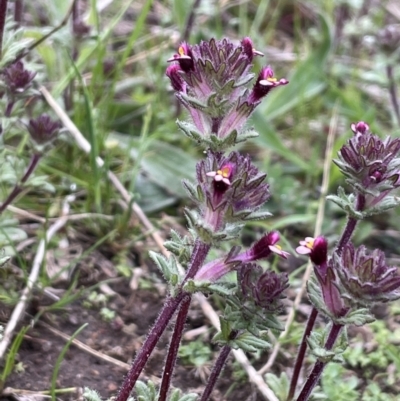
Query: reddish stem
[301, 353]
[151, 341]
[217, 369]
[344, 239]
[18, 11]
[350, 226]
[199, 254]
[18, 188]
[319, 366]
[173, 348]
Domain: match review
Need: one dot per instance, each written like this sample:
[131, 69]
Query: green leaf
[358, 317]
[189, 397]
[279, 385]
[167, 166]
[91, 395]
[168, 267]
[250, 343]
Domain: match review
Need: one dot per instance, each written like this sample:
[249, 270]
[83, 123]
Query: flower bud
[264, 288]
[371, 165]
[365, 276]
[43, 129]
[17, 78]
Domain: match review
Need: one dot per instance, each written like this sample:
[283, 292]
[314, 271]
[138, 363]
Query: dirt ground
[119, 339]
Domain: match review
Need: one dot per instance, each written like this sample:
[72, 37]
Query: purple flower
[231, 186]
[184, 57]
[317, 248]
[265, 82]
[43, 129]
[173, 74]
[17, 78]
[263, 248]
[365, 276]
[249, 50]
[371, 165]
[264, 288]
[360, 128]
[327, 279]
[212, 83]
[223, 174]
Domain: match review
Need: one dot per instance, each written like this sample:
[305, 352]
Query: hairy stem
[319, 365]
[199, 254]
[344, 239]
[173, 348]
[350, 226]
[19, 188]
[217, 369]
[301, 353]
[148, 346]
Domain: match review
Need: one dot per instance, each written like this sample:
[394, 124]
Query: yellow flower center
[181, 51]
[225, 172]
[310, 243]
[272, 79]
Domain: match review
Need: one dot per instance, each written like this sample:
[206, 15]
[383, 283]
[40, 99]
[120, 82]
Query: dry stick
[85, 146]
[86, 348]
[207, 309]
[20, 307]
[317, 231]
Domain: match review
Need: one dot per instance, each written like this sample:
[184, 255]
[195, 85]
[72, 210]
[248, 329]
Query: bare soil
[119, 339]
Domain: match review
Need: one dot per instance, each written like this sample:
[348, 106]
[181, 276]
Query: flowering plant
[213, 81]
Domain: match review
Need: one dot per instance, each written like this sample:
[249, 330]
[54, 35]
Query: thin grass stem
[3, 14]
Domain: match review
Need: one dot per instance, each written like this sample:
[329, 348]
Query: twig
[86, 348]
[78, 216]
[317, 231]
[21, 305]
